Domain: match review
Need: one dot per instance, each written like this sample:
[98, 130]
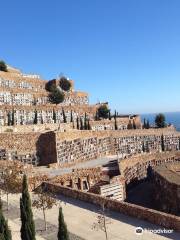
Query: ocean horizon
[171, 118]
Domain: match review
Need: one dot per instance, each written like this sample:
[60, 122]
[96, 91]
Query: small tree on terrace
[102, 221]
[54, 116]
[162, 143]
[64, 116]
[3, 66]
[103, 111]
[62, 229]
[81, 124]
[5, 233]
[11, 179]
[56, 96]
[77, 121]
[115, 121]
[44, 201]
[71, 117]
[160, 120]
[64, 84]
[35, 117]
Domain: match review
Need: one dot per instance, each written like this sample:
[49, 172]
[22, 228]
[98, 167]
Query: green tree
[54, 115]
[9, 119]
[115, 121]
[5, 233]
[44, 201]
[56, 96]
[147, 125]
[64, 84]
[89, 126]
[50, 85]
[77, 123]
[103, 111]
[27, 222]
[3, 66]
[64, 116]
[13, 118]
[85, 122]
[160, 120]
[143, 147]
[144, 124]
[71, 116]
[62, 229]
[147, 147]
[109, 115]
[162, 143]
[35, 117]
[81, 124]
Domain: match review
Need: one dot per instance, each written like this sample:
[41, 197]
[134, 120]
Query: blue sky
[126, 52]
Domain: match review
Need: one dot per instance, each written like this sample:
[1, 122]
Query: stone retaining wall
[159, 218]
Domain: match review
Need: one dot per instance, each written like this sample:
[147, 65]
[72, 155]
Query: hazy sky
[126, 52]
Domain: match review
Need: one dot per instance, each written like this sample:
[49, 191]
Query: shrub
[56, 96]
[103, 111]
[160, 120]
[50, 85]
[64, 84]
[3, 66]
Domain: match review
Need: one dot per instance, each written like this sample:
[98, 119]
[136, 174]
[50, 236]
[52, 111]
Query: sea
[171, 117]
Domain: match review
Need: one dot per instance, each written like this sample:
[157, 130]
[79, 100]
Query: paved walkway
[88, 164]
[80, 217]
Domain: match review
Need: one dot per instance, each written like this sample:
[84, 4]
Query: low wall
[165, 220]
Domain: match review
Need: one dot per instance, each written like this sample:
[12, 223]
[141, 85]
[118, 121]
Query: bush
[64, 84]
[56, 96]
[103, 111]
[160, 120]
[3, 66]
[50, 85]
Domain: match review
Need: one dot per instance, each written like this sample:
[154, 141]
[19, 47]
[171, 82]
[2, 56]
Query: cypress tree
[35, 117]
[71, 116]
[5, 233]
[64, 116]
[147, 147]
[81, 124]
[115, 122]
[179, 143]
[162, 143]
[27, 222]
[147, 124]
[109, 115]
[89, 126]
[9, 119]
[85, 122]
[144, 124]
[54, 115]
[13, 120]
[77, 121]
[143, 147]
[62, 229]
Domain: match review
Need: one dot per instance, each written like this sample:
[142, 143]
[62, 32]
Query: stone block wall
[135, 167]
[159, 218]
[166, 185]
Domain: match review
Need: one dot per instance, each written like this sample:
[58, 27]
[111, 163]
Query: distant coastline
[171, 117]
